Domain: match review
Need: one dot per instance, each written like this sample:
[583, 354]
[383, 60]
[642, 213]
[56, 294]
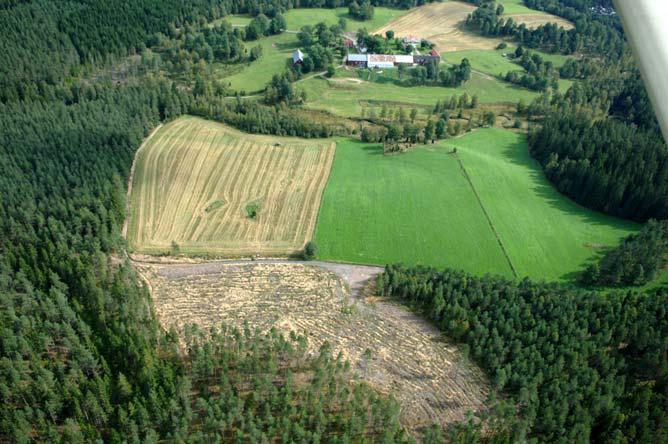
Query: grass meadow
[418, 208]
[350, 91]
[414, 208]
[254, 76]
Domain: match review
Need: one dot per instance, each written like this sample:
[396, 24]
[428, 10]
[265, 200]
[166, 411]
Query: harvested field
[390, 348]
[442, 24]
[539, 18]
[212, 189]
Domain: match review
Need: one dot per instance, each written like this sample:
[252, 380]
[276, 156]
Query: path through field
[392, 349]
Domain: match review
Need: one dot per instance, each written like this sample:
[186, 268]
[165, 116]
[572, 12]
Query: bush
[331, 70]
[310, 250]
[502, 45]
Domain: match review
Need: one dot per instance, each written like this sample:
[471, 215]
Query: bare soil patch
[392, 349]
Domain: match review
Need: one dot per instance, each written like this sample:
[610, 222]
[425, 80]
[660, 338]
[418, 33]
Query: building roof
[297, 56]
[357, 57]
[403, 59]
[435, 53]
[382, 58]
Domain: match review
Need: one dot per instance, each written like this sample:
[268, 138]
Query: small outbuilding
[297, 57]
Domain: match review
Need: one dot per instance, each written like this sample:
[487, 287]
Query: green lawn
[347, 94]
[254, 76]
[296, 18]
[491, 62]
[516, 7]
[413, 208]
[418, 208]
[546, 235]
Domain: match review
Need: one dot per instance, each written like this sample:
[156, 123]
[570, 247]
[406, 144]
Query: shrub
[310, 250]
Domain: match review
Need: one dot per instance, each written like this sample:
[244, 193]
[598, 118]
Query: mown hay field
[419, 208]
[212, 189]
[388, 347]
[442, 23]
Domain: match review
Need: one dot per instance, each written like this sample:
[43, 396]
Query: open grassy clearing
[349, 92]
[213, 189]
[414, 208]
[546, 235]
[418, 208]
[296, 18]
[406, 356]
[254, 76]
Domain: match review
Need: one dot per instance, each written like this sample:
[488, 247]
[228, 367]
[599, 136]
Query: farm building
[412, 40]
[297, 57]
[356, 60]
[379, 60]
[423, 59]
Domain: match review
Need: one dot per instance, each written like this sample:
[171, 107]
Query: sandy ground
[392, 349]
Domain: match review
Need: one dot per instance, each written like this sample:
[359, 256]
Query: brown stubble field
[442, 24]
[195, 181]
[393, 350]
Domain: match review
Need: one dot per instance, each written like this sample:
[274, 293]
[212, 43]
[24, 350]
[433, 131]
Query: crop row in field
[212, 189]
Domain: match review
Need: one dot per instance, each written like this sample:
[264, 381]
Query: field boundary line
[324, 190]
[128, 205]
[484, 210]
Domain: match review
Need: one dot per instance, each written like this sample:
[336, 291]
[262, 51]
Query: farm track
[191, 163]
[407, 357]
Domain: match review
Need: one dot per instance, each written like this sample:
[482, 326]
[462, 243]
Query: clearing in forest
[393, 350]
[442, 24]
[213, 189]
[420, 208]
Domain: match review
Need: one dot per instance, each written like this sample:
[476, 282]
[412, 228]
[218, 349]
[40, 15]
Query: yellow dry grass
[540, 18]
[195, 180]
[393, 350]
[442, 24]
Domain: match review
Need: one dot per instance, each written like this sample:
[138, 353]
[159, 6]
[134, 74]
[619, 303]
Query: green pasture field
[418, 208]
[254, 76]
[414, 208]
[296, 18]
[349, 91]
[516, 7]
[490, 62]
[547, 236]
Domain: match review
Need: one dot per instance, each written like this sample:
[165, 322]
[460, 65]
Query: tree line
[637, 260]
[604, 164]
[570, 365]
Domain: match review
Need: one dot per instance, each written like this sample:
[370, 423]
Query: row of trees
[636, 261]
[539, 74]
[574, 366]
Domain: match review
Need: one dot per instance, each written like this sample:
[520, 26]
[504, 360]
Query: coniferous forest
[82, 356]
